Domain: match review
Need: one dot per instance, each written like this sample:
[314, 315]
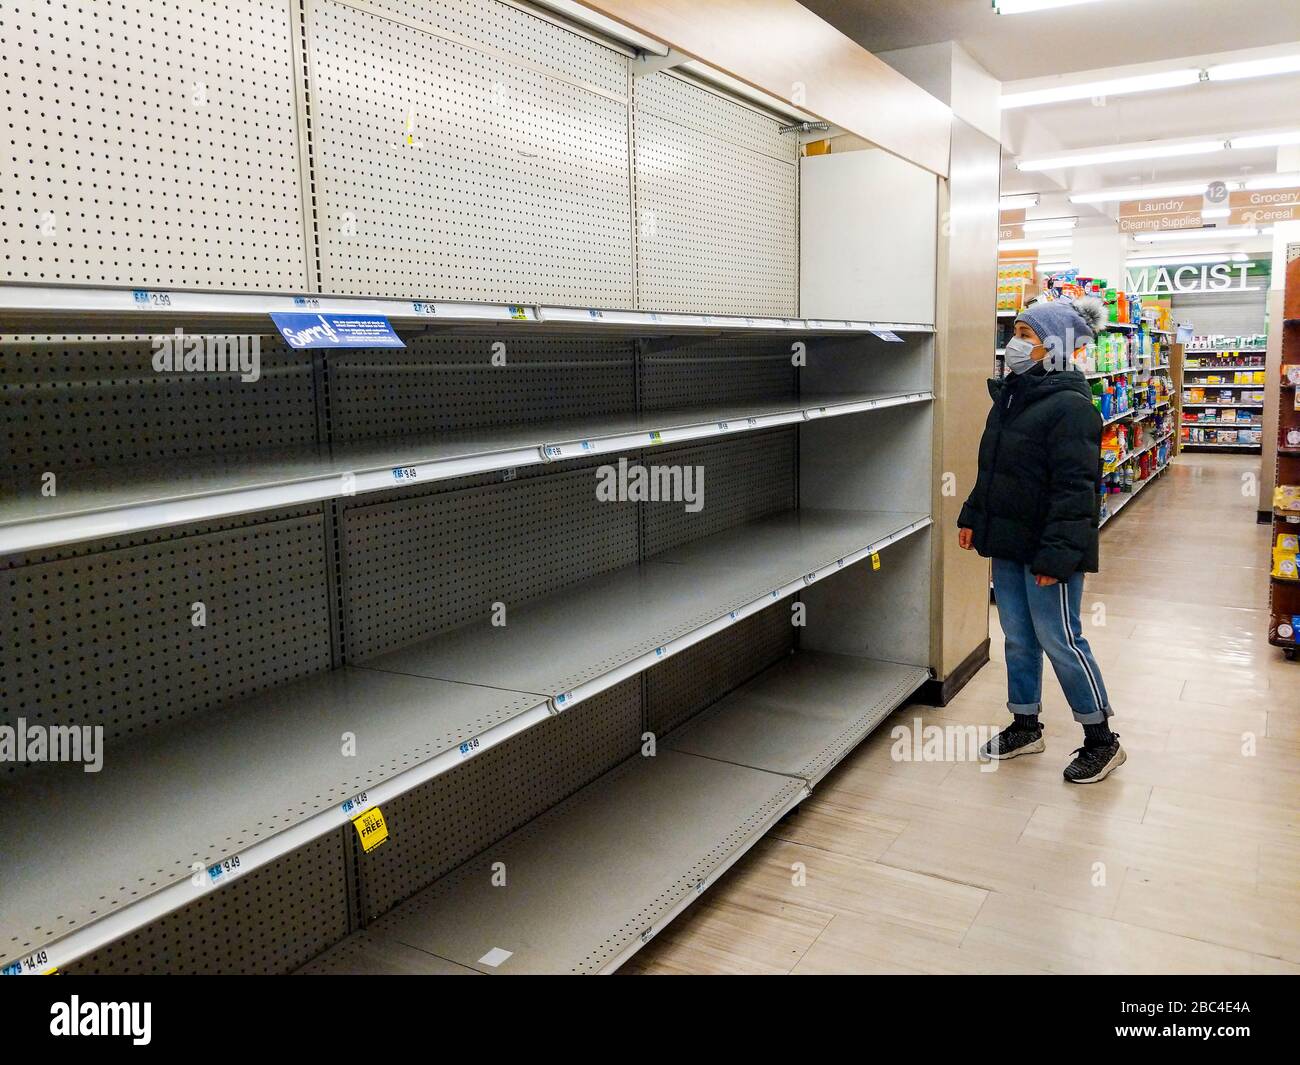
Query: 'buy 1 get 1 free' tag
[875, 560]
[371, 828]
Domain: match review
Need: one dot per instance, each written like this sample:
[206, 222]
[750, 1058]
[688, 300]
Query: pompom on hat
[1064, 325]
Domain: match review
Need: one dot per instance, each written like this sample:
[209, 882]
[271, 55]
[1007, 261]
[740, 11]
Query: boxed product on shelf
[1283, 630]
[1287, 497]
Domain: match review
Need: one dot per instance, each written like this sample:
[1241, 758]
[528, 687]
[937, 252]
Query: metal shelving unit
[107, 502]
[278, 598]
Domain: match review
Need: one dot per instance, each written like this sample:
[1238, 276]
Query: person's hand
[1044, 582]
[966, 538]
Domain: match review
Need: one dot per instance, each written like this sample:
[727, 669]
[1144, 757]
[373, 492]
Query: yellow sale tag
[518, 312]
[875, 560]
[371, 828]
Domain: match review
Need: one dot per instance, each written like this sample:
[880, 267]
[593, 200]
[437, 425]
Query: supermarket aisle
[1186, 860]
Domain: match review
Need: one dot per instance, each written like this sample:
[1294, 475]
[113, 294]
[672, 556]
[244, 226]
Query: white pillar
[1100, 251]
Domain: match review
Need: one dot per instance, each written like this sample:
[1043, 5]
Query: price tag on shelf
[33, 963]
[405, 473]
[424, 308]
[371, 829]
[875, 560]
[226, 869]
[352, 805]
[470, 748]
[887, 335]
[142, 297]
[518, 313]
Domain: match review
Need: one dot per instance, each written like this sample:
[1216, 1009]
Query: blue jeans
[1038, 619]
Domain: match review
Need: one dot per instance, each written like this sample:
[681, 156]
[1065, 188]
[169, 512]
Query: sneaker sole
[1118, 760]
[1037, 747]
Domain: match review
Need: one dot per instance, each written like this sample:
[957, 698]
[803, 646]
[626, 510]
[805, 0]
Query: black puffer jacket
[1035, 500]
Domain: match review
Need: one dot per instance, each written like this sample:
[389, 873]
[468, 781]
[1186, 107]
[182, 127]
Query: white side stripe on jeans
[1069, 639]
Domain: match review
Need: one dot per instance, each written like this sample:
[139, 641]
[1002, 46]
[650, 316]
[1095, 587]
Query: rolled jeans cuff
[1093, 717]
[1026, 709]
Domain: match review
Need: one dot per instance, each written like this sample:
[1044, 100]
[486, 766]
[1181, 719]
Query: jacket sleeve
[1074, 472]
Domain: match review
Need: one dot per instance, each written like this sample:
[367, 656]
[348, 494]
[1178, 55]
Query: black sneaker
[1014, 740]
[1092, 764]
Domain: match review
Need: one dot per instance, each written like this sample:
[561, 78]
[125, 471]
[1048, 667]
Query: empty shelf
[95, 503]
[582, 640]
[801, 716]
[89, 857]
[366, 954]
[592, 879]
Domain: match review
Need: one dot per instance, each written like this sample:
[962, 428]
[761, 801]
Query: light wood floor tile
[938, 867]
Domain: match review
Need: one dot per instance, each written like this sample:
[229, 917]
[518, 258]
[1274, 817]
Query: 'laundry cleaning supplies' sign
[1167, 280]
[310, 329]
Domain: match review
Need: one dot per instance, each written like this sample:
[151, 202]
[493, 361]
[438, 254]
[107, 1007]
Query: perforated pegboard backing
[107, 638]
[79, 402]
[679, 688]
[716, 203]
[267, 922]
[150, 143]
[436, 827]
[718, 370]
[417, 566]
[449, 383]
[501, 28]
[446, 171]
[745, 478]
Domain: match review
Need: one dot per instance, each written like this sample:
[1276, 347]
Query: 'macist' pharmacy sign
[1165, 281]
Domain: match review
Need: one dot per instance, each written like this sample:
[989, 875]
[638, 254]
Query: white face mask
[1019, 355]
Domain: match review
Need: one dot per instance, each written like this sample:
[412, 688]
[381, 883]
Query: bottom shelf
[1126, 497]
[593, 879]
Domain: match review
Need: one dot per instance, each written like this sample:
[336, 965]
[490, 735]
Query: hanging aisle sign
[1158, 216]
[323, 330]
[1263, 207]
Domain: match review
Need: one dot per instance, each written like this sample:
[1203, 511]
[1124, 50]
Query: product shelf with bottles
[1284, 569]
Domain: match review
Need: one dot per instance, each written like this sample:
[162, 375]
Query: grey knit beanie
[1064, 325]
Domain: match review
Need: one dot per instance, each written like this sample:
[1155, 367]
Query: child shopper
[1033, 511]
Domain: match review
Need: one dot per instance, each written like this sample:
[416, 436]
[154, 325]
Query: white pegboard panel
[678, 689]
[717, 220]
[417, 566]
[435, 828]
[108, 638]
[705, 110]
[727, 369]
[79, 402]
[443, 384]
[745, 478]
[269, 921]
[151, 143]
[501, 28]
[445, 172]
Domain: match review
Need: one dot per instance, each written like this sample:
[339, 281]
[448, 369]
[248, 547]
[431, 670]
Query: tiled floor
[1186, 860]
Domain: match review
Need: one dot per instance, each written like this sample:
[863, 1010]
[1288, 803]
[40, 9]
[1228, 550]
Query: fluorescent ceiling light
[1254, 68]
[1271, 181]
[1165, 79]
[1038, 225]
[1015, 203]
[1265, 140]
[1020, 7]
[1168, 79]
[1192, 259]
[1121, 155]
[1229, 232]
[1141, 192]
[1037, 245]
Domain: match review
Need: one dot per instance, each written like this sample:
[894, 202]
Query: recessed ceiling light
[1101, 156]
